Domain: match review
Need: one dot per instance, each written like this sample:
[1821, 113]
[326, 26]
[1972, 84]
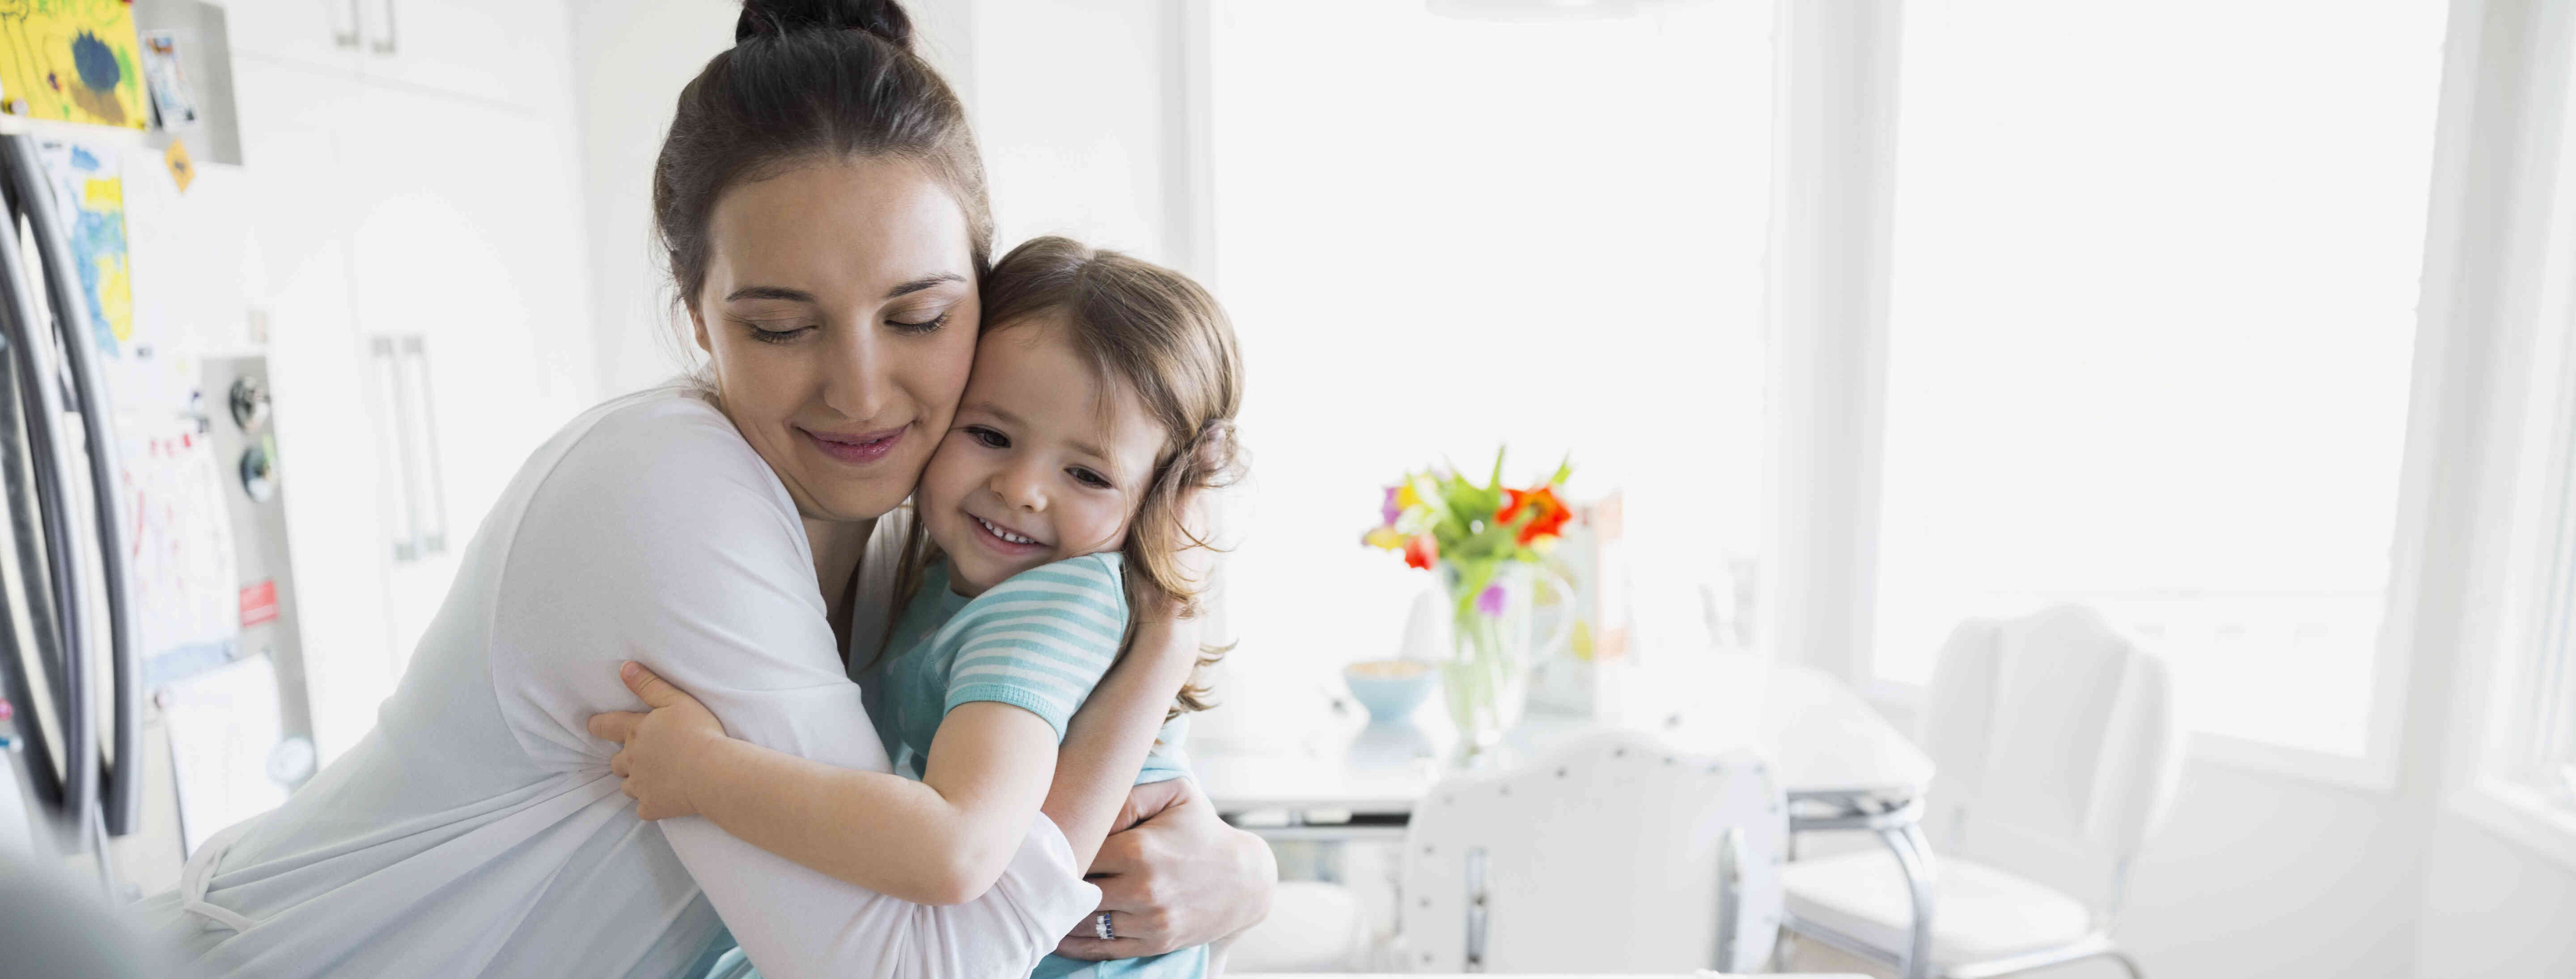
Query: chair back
[1615, 853]
[2056, 746]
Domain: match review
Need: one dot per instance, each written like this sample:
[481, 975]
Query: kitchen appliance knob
[259, 473]
[250, 403]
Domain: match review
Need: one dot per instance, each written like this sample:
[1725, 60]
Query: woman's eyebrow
[770, 292]
[922, 283]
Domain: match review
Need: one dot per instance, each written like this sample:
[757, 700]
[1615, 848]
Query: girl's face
[1044, 462]
[839, 313]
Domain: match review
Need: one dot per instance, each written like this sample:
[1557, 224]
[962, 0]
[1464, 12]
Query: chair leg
[2127, 963]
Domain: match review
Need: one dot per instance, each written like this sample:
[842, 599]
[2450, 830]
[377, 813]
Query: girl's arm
[942, 840]
[1106, 742]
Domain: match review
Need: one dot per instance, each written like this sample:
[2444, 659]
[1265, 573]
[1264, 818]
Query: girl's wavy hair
[1160, 335]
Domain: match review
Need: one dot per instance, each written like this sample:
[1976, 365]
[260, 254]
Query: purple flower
[1490, 601]
[1389, 510]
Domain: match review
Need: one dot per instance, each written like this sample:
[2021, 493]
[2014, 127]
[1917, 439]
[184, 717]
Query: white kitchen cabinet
[509, 52]
[319, 34]
[427, 296]
[466, 255]
[292, 163]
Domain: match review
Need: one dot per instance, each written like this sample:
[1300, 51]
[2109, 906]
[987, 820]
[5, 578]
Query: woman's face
[839, 312]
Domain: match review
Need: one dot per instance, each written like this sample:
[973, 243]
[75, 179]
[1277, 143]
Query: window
[1438, 235]
[2150, 332]
[2530, 743]
[2543, 755]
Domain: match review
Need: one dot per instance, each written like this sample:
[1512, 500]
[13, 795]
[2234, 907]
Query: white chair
[2057, 752]
[1613, 854]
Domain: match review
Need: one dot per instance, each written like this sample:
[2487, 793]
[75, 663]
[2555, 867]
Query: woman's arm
[1178, 878]
[942, 840]
[663, 539]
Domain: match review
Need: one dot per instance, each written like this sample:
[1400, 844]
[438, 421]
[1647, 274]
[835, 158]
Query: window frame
[1842, 55]
[2531, 469]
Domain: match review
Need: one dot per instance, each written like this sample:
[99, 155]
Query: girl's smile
[1046, 461]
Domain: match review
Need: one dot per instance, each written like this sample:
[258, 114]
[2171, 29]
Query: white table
[1842, 765]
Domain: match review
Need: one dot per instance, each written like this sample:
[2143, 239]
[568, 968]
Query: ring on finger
[1100, 926]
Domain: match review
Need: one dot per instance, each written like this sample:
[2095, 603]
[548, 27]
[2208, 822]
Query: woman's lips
[856, 449]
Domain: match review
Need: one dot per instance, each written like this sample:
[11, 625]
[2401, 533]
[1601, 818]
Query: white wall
[630, 59]
[2492, 910]
[1070, 103]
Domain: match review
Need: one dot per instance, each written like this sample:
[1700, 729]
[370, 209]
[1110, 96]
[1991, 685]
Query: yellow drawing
[72, 60]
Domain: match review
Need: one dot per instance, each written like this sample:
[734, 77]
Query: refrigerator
[150, 662]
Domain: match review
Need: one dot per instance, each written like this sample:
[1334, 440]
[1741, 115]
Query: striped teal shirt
[1039, 641]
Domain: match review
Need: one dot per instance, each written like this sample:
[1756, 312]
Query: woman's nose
[857, 380]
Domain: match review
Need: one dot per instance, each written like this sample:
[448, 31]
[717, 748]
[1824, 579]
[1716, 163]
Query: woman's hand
[662, 748]
[1172, 876]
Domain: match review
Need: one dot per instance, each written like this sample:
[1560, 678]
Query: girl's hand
[662, 747]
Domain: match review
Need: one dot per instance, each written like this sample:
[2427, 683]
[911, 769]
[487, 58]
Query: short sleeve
[1039, 641]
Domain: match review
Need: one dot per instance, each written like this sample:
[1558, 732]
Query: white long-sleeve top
[477, 831]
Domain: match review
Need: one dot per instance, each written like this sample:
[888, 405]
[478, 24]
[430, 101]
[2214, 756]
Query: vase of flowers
[1485, 543]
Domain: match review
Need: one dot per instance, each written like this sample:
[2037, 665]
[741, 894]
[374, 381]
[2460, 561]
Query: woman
[820, 179]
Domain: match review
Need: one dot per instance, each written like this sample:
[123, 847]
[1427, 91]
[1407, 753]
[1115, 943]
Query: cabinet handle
[345, 33]
[385, 44]
[393, 430]
[429, 495]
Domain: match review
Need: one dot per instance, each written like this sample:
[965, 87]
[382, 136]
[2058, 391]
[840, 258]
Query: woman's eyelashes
[776, 332]
[781, 331]
[915, 327]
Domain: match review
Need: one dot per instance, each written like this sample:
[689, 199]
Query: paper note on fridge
[72, 60]
[223, 724]
[89, 186]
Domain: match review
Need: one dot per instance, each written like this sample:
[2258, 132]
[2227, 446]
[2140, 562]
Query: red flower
[1421, 551]
[1547, 513]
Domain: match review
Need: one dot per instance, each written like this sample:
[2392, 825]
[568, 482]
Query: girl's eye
[1088, 478]
[915, 327]
[987, 437]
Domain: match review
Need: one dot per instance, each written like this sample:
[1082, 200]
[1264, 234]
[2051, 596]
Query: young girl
[1103, 394]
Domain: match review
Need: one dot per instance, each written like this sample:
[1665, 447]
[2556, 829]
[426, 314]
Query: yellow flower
[1384, 538]
[1406, 498]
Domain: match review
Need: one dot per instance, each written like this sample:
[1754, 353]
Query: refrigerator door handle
[39, 393]
[122, 798]
[344, 32]
[393, 437]
[429, 493]
[385, 45]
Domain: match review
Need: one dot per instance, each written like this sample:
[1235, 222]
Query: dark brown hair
[1159, 334]
[809, 81]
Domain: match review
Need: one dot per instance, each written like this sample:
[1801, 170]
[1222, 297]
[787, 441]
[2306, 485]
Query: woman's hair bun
[883, 18]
